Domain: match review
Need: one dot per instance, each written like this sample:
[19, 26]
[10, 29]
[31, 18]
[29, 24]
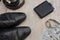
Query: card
[44, 9]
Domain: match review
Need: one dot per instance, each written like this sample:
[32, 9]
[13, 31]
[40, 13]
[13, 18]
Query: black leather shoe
[19, 33]
[11, 19]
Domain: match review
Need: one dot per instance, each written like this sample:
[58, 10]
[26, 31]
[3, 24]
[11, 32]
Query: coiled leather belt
[13, 4]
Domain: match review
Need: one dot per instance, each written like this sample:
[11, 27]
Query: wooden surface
[36, 24]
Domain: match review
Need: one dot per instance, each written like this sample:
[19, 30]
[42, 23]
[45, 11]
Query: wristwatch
[52, 31]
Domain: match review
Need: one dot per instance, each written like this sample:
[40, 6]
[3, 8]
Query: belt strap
[15, 7]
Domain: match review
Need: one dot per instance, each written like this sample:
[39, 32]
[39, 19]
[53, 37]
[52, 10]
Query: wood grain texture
[36, 24]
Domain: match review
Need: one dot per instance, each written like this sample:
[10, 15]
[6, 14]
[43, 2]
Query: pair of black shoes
[8, 29]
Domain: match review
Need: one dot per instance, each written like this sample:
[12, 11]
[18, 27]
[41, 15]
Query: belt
[14, 5]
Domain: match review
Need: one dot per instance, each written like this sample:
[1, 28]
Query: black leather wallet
[44, 9]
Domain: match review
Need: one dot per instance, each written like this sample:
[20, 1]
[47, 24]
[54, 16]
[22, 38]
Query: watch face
[51, 33]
